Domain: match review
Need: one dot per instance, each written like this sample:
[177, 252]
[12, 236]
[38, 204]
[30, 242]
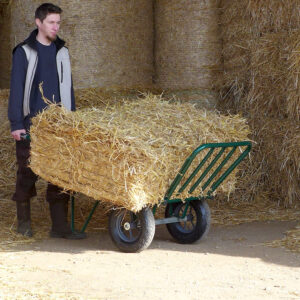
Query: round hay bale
[4, 95]
[187, 43]
[7, 151]
[110, 42]
[5, 48]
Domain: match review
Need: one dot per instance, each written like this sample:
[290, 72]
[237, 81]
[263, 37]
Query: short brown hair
[46, 8]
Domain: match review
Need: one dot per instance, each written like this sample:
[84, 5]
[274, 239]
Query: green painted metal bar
[87, 221]
[176, 200]
[25, 136]
[178, 177]
[185, 209]
[171, 211]
[231, 168]
[195, 172]
[154, 209]
[214, 174]
[207, 170]
[72, 212]
[189, 160]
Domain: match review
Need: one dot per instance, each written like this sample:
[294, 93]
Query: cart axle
[170, 220]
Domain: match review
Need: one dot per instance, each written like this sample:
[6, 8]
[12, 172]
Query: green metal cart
[188, 219]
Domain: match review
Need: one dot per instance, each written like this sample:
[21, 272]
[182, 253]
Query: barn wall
[110, 41]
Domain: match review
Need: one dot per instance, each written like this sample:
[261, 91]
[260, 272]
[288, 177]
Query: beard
[51, 38]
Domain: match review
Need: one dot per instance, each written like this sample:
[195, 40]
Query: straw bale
[5, 48]
[111, 42]
[236, 36]
[257, 17]
[7, 162]
[273, 171]
[234, 20]
[269, 66]
[292, 81]
[97, 97]
[117, 41]
[260, 51]
[187, 44]
[201, 98]
[261, 59]
[4, 93]
[7, 150]
[274, 89]
[125, 154]
[273, 16]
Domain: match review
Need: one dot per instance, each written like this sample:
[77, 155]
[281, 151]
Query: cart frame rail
[212, 146]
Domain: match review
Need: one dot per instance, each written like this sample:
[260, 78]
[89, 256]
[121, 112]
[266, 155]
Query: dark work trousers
[26, 179]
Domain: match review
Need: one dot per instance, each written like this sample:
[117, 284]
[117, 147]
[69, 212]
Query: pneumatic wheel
[132, 232]
[196, 225]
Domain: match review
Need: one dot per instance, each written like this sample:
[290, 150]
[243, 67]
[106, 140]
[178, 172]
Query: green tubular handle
[25, 136]
[212, 147]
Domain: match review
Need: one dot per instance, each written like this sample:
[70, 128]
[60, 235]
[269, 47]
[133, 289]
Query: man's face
[49, 27]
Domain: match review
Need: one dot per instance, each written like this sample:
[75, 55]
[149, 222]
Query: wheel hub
[127, 226]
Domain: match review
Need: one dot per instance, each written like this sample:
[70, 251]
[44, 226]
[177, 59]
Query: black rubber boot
[60, 226]
[23, 217]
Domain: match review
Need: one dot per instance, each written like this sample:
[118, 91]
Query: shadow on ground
[245, 240]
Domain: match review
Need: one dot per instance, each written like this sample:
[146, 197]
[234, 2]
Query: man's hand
[16, 134]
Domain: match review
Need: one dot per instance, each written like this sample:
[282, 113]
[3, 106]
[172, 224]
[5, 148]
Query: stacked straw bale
[261, 80]
[7, 151]
[187, 44]
[4, 94]
[272, 88]
[274, 171]
[261, 56]
[126, 154]
[110, 41]
[235, 34]
[5, 48]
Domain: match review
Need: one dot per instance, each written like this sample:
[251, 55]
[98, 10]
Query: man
[42, 57]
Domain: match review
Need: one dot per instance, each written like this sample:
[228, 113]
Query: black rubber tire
[199, 227]
[140, 233]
